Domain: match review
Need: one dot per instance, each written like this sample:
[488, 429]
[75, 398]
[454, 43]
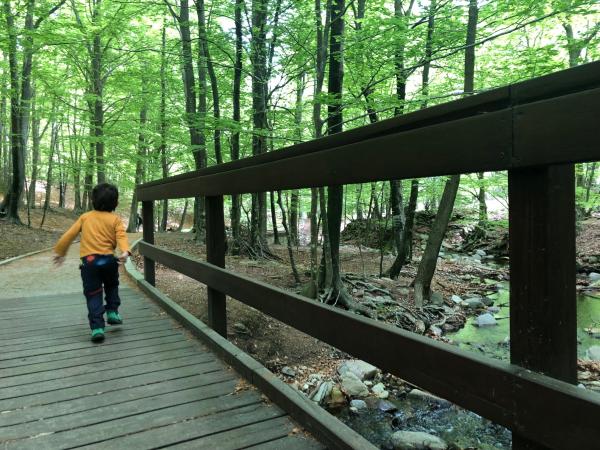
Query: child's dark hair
[105, 197]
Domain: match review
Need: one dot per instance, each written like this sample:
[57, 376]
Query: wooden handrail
[536, 130]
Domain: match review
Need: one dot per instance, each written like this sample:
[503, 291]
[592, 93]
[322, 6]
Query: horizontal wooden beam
[545, 410]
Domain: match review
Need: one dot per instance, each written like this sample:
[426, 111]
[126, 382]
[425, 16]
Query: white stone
[353, 387]
[358, 404]
[485, 320]
[416, 440]
[593, 353]
[594, 276]
[363, 370]
[379, 391]
[417, 394]
[456, 299]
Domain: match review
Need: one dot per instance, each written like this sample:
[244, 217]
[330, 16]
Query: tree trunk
[288, 238]
[35, 157]
[258, 57]
[440, 224]
[163, 125]
[204, 49]
[185, 207]
[405, 246]
[235, 136]
[274, 219]
[139, 163]
[49, 176]
[483, 216]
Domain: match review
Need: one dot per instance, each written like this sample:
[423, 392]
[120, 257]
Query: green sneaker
[97, 334]
[113, 318]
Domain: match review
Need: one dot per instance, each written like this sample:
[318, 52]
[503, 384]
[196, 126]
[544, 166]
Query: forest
[130, 91]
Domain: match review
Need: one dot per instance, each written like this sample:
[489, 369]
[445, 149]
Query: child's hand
[123, 258]
[58, 260]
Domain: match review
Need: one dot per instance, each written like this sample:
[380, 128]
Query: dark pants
[98, 271]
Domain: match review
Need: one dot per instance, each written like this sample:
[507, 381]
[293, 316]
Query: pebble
[456, 299]
[386, 407]
[358, 404]
[593, 353]
[416, 440]
[353, 387]
[240, 328]
[485, 320]
[379, 391]
[288, 371]
[363, 370]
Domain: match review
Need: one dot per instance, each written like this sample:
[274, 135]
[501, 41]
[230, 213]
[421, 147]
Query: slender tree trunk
[185, 207]
[404, 248]
[163, 125]
[274, 219]
[483, 216]
[288, 238]
[440, 224]
[235, 136]
[49, 175]
[258, 56]
[139, 163]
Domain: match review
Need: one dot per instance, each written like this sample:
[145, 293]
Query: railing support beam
[215, 254]
[543, 319]
[148, 235]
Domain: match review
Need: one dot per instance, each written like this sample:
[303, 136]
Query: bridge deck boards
[148, 385]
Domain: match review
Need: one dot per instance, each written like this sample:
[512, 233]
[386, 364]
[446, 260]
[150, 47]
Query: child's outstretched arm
[64, 242]
[122, 241]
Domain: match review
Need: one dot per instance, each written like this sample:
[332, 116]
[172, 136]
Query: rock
[594, 276]
[487, 301]
[363, 370]
[353, 410]
[353, 387]
[386, 407]
[336, 398]
[456, 299]
[322, 392]
[379, 391]
[435, 330]
[485, 320]
[476, 257]
[240, 328]
[593, 353]
[416, 440]
[288, 371]
[436, 298]
[368, 383]
[480, 252]
[417, 394]
[473, 302]
[493, 310]
[358, 404]
[315, 378]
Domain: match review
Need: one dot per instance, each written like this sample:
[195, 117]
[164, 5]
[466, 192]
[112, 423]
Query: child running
[101, 231]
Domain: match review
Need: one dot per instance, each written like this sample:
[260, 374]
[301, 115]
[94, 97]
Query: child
[101, 231]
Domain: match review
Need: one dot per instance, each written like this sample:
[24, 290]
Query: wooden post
[148, 224]
[543, 319]
[215, 254]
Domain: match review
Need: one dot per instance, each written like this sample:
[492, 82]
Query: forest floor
[20, 239]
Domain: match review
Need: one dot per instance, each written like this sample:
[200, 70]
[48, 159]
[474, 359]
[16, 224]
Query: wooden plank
[76, 392]
[543, 318]
[58, 349]
[148, 233]
[65, 334]
[290, 443]
[203, 424]
[117, 411]
[478, 143]
[102, 432]
[166, 344]
[91, 350]
[114, 397]
[242, 437]
[61, 323]
[97, 376]
[215, 254]
[483, 385]
[114, 333]
[64, 373]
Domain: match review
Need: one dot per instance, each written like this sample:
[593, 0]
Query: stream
[461, 429]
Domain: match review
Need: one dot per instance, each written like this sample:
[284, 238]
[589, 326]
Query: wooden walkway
[148, 385]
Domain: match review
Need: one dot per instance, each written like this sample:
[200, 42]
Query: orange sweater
[101, 232]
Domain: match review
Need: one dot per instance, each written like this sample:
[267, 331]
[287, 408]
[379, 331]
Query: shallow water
[493, 341]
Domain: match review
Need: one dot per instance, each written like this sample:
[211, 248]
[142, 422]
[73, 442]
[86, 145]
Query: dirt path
[36, 275]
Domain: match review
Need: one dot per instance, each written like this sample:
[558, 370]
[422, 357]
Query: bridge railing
[534, 129]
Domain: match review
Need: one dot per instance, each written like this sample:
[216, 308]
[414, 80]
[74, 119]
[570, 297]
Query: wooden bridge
[536, 130]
